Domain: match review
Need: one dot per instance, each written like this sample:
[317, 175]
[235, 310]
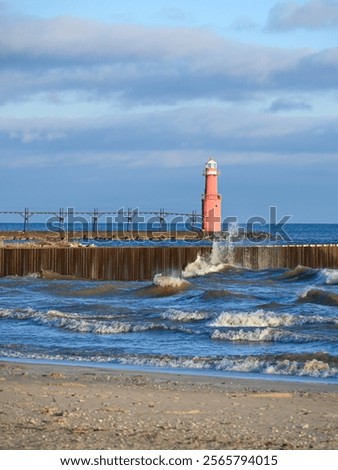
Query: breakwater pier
[136, 263]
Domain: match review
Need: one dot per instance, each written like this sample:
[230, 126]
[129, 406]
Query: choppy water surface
[213, 317]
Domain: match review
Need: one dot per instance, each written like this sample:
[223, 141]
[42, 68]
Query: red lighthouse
[211, 200]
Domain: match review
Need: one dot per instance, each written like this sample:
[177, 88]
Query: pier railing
[88, 221]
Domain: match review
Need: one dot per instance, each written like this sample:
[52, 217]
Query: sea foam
[331, 276]
[258, 318]
[261, 335]
[270, 365]
[180, 316]
[261, 319]
[74, 322]
[212, 263]
[170, 282]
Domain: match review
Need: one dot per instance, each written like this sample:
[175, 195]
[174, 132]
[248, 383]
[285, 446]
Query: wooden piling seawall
[285, 256]
[102, 263]
[142, 263]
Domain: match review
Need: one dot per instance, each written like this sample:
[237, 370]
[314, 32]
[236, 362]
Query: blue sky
[113, 104]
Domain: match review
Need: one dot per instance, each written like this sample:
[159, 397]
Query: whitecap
[331, 276]
[181, 316]
[309, 368]
[258, 318]
[170, 282]
[71, 321]
[212, 263]
[262, 319]
[260, 335]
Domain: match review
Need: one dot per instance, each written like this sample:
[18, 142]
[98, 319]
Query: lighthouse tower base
[212, 217]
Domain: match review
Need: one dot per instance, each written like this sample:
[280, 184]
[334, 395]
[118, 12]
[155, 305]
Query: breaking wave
[33, 275]
[212, 263]
[307, 368]
[170, 282]
[322, 366]
[73, 322]
[261, 318]
[331, 276]
[163, 286]
[179, 316]
[261, 335]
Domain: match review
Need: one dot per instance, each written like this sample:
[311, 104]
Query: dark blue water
[211, 318]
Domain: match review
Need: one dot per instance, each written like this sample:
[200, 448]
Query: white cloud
[169, 80]
[136, 63]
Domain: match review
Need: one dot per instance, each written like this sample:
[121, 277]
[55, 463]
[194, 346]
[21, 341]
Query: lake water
[212, 318]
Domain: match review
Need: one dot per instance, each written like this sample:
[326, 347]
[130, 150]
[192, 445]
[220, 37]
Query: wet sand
[46, 406]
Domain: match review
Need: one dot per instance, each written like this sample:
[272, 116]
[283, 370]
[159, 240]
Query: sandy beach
[45, 406]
